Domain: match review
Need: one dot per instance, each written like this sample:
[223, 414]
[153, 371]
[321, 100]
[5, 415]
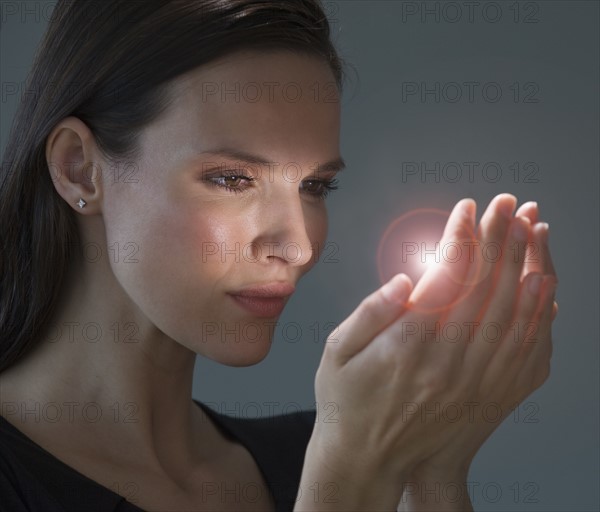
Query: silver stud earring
[81, 203]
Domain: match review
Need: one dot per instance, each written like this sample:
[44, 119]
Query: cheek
[208, 242]
[203, 253]
[177, 265]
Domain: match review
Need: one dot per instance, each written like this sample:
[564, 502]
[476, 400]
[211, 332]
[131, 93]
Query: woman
[167, 187]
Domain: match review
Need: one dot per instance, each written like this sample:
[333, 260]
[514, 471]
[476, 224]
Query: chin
[239, 353]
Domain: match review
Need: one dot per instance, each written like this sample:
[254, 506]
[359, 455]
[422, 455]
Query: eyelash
[328, 185]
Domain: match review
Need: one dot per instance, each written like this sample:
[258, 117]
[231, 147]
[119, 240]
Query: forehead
[248, 99]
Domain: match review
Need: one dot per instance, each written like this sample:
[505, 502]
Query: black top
[32, 479]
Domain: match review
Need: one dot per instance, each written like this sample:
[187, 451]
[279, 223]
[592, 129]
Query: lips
[263, 300]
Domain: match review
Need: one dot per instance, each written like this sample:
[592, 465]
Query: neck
[103, 373]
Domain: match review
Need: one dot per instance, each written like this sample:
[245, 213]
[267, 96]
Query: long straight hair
[109, 63]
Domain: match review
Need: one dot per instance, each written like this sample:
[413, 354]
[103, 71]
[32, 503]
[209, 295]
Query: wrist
[353, 466]
[355, 483]
[436, 488]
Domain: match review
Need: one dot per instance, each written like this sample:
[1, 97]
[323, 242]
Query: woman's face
[193, 224]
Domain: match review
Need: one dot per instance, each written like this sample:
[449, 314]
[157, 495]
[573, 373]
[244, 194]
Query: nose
[284, 232]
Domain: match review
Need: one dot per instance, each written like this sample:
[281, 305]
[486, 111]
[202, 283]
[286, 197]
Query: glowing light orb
[412, 245]
[429, 260]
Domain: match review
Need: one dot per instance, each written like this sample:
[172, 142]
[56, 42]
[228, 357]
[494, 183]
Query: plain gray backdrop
[506, 85]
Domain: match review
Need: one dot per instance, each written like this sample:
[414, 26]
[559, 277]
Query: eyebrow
[332, 166]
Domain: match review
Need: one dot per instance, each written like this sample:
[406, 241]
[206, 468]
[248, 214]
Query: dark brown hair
[109, 63]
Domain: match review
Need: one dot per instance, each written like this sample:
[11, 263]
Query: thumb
[373, 315]
[442, 282]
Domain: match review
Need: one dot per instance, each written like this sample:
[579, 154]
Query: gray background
[546, 458]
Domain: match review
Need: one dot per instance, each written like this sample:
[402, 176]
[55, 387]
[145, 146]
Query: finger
[536, 351]
[529, 210]
[502, 367]
[372, 316]
[492, 232]
[536, 339]
[539, 258]
[440, 284]
[534, 253]
[448, 345]
[437, 290]
[491, 236]
[542, 228]
[502, 303]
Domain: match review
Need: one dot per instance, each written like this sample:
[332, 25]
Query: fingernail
[519, 230]
[535, 283]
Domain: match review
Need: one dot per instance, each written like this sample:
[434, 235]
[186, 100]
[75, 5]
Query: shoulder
[290, 430]
[32, 479]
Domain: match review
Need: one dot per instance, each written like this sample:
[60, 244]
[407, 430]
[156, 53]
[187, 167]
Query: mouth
[264, 300]
[263, 307]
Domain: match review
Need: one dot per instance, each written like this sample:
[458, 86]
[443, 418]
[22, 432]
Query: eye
[320, 188]
[231, 181]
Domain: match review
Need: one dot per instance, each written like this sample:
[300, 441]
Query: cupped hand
[509, 355]
[417, 374]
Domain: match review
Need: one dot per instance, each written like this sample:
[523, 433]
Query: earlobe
[73, 166]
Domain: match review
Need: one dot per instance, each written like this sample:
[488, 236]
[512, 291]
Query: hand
[518, 363]
[382, 373]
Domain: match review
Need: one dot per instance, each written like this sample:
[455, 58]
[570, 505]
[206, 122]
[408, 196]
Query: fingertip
[528, 205]
[407, 280]
[506, 204]
[466, 200]
[470, 208]
[461, 221]
[397, 288]
[506, 196]
[541, 229]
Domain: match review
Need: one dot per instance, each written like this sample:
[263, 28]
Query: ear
[75, 166]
